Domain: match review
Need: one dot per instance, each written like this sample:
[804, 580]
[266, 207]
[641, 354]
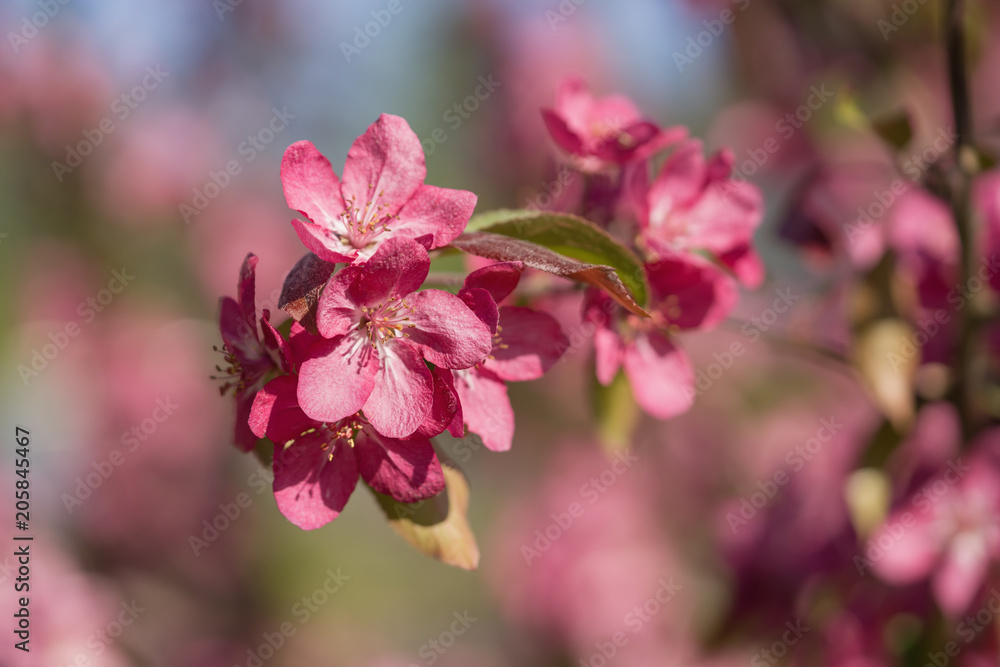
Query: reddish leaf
[506, 249]
[300, 293]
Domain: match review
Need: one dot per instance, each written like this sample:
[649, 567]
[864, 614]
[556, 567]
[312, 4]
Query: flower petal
[437, 212]
[457, 425]
[397, 268]
[443, 409]
[245, 289]
[337, 313]
[486, 407]
[312, 484]
[385, 163]
[608, 346]
[323, 242]
[725, 217]
[663, 138]
[680, 181]
[276, 413]
[239, 335]
[746, 264]
[690, 291]
[448, 332]
[912, 554]
[530, 342]
[243, 437]
[498, 279]
[274, 341]
[403, 391]
[407, 470]
[961, 573]
[299, 343]
[561, 132]
[336, 377]
[482, 304]
[660, 374]
[311, 186]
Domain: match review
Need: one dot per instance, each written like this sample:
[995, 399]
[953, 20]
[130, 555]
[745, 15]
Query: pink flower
[382, 195]
[250, 359]
[986, 192]
[922, 232]
[378, 330]
[608, 129]
[694, 205]
[526, 343]
[947, 531]
[687, 293]
[317, 464]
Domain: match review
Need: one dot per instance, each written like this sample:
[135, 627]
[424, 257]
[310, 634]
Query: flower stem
[963, 395]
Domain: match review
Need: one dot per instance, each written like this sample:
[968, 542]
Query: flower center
[232, 372]
[498, 343]
[346, 429]
[386, 321]
[669, 224]
[365, 223]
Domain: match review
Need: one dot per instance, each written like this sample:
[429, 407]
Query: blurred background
[140, 145]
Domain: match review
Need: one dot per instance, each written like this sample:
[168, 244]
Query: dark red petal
[498, 279]
[276, 413]
[406, 470]
[530, 342]
[312, 483]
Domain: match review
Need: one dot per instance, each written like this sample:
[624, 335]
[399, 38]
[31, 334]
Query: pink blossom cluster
[379, 364]
[691, 224]
[383, 365]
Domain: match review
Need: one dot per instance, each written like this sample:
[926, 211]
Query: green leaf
[617, 413]
[438, 526]
[575, 238]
